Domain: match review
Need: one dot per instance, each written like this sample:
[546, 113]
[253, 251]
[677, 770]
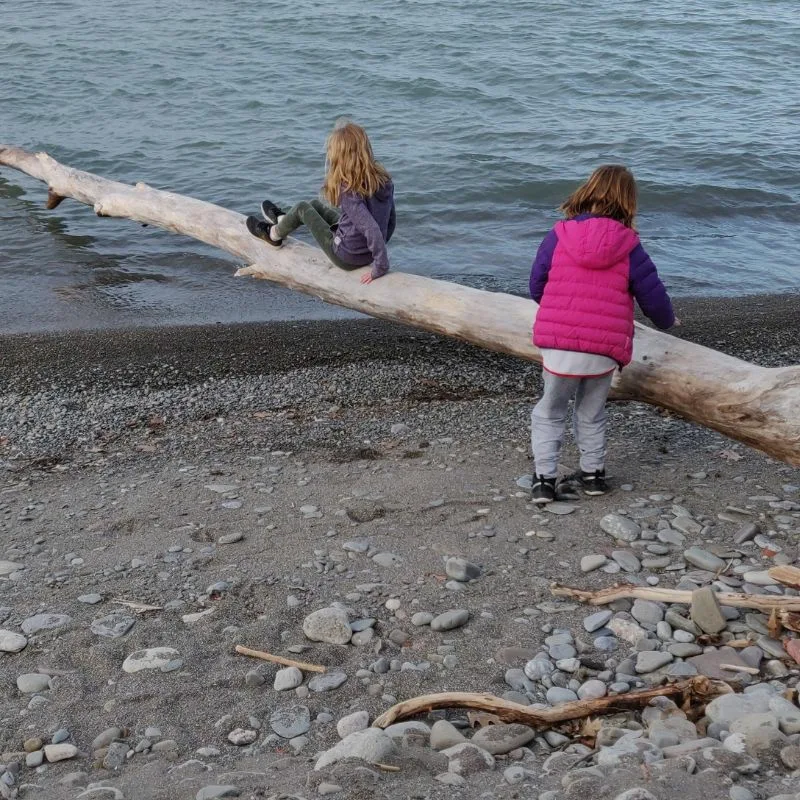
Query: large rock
[352, 723]
[113, 625]
[59, 752]
[290, 722]
[149, 658]
[31, 682]
[622, 528]
[706, 611]
[330, 625]
[727, 708]
[444, 734]
[787, 713]
[651, 660]
[450, 620]
[459, 569]
[502, 739]
[44, 622]
[9, 567]
[11, 642]
[467, 759]
[286, 679]
[371, 745]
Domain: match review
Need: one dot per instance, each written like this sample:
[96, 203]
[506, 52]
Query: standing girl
[356, 233]
[587, 272]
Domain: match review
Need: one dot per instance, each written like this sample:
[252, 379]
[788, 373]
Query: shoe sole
[543, 501]
[594, 492]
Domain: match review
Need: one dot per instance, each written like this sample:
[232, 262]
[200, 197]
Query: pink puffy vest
[587, 305]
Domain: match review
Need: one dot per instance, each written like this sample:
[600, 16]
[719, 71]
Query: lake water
[486, 114]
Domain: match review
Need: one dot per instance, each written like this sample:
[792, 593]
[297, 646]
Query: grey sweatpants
[549, 420]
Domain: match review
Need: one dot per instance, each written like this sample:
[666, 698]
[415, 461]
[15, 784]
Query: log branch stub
[53, 199]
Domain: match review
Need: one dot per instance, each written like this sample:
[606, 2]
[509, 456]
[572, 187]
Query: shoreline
[761, 328]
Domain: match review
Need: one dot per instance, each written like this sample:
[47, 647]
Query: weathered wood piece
[694, 691]
[753, 404]
[284, 662]
[602, 597]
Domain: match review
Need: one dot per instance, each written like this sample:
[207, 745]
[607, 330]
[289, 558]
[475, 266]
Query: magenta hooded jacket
[585, 276]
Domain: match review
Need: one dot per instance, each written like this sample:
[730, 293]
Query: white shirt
[571, 364]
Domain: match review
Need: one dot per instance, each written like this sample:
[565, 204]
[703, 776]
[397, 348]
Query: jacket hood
[596, 242]
[385, 192]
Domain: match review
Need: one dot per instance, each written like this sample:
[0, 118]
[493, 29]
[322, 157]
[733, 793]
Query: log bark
[761, 602]
[695, 691]
[749, 403]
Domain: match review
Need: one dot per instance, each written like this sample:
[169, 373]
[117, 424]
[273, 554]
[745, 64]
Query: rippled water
[486, 114]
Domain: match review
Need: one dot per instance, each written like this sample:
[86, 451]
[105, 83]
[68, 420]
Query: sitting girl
[356, 233]
[586, 274]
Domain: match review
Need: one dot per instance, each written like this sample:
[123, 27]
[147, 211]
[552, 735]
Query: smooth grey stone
[647, 611]
[597, 620]
[621, 528]
[44, 622]
[460, 569]
[450, 620]
[112, 626]
[650, 661]
[327, 681]
[291, 722]
[627, 561]
[702, 559]
[557, 695]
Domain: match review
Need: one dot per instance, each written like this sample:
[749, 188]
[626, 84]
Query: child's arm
[649, 291]
[355, 208]
[541, 266]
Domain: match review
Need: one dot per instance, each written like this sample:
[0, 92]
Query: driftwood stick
[790, 576]
[285, 662]
[602, 597]
[139, 608]
[753, 404]
[695, 690]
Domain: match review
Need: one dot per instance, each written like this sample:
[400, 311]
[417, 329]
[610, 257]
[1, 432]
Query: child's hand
[367, 278]
[677, 323]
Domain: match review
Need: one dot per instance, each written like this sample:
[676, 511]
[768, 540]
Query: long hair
[609, 192]
[351, 164]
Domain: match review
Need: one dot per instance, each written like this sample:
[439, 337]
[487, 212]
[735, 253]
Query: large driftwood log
[755, 405]
[693, 691]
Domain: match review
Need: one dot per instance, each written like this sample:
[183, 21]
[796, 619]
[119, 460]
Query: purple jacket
[365, 227]
[585, 275]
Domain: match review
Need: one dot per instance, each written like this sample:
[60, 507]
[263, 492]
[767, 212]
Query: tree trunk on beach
[755, 405]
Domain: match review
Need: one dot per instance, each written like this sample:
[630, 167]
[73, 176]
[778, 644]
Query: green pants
[319, 218]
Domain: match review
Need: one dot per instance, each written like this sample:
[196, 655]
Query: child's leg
[328, 213]
[589, 421]
[548, 421]
[304, 213]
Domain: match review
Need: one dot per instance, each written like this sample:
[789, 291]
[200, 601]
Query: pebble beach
[355, 496]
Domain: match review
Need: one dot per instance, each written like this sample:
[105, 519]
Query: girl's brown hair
[351, 164]
[609, 192]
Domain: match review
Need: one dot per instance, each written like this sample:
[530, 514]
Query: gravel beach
[354, 495]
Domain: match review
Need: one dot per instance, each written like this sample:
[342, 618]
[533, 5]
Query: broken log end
[54, 199]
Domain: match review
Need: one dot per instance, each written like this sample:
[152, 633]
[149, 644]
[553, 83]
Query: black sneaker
[568, 489]
[271, 212]
[594, 483]
[261, 230]
[543, 489]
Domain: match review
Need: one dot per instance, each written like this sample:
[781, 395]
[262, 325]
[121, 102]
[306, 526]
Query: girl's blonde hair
[351, 164]
[609, 192]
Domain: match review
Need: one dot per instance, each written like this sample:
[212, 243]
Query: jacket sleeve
[392, 223]
[356, 209]
[541, 265]
[648, 289]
